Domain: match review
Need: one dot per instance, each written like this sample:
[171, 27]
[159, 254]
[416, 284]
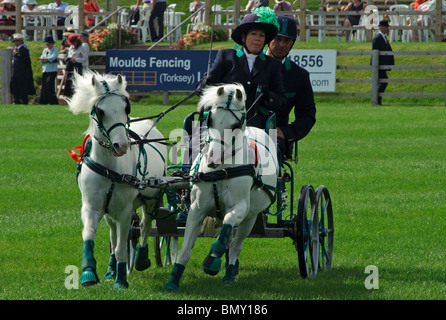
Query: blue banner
[147, 70]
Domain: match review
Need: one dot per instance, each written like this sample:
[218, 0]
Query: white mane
[210, 96]
[86, 93]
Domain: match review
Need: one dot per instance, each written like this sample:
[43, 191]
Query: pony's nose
[212, 165]
[119, 149]
[212, 162]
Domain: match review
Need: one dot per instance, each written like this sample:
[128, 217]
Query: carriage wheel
[326, 229]
[166, 249]
[307, 233]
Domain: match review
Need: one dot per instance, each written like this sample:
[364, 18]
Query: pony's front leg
[193, 224]
[142, 261]
[111, 269]
[90, 219]
[232, 263]
[121, 253]
[235, 215]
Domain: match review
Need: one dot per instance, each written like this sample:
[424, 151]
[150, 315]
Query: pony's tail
[210, 227]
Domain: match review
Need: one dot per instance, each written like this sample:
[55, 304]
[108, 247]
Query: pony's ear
[121, 82]
[238, 94]
[220, 91]
[95, 82]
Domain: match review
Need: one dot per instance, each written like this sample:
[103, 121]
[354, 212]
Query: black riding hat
[384, 23]
[263, 18]
[288, 27]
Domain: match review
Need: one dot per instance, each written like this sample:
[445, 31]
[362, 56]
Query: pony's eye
[100, 112]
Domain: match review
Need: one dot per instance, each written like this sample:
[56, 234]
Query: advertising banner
[159, 69]
[321, 64]
[164, 70]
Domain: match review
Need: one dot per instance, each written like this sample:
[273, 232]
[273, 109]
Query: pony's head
[228, 97]
[104, 97]
[223, 107]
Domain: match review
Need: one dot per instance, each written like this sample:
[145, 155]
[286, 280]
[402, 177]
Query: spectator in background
[381, 43]
[59, 6]
[157, 12]
[147, 4]
[414, 5]
[48, 59]
[418, 19]
[194, 6]
[5, 19]
[64, 44]
[84, 37]
[22, 81]
[254, 4]
[75, 58]
[282, 5]
[91, 6]
[30, 6]
[353, 20]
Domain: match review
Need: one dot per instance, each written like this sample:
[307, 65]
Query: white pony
[234, 179]
[110, 172]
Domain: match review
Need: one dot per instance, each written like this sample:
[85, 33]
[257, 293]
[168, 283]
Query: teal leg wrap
[231, 273]
[219, 247]
[111, 270]
[89, 276]
[212, 263]
[121, 276]
[174, 280]
[142, 261]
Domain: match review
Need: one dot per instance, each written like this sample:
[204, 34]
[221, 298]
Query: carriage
[308, 220]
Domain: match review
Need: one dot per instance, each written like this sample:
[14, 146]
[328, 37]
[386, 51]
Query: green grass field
[383, 166]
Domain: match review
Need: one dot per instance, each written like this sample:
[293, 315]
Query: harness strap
[246, 170]
[108, 198]
[110, 174]
[217, 201]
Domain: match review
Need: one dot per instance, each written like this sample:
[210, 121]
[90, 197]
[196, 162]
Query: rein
[162, 114]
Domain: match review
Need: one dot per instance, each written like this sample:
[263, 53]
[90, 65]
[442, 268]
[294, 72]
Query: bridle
[227, 106]
[96, 116]
[240, 124]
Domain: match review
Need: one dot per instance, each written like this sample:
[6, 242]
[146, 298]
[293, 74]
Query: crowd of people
[32, 6]
[76, 49]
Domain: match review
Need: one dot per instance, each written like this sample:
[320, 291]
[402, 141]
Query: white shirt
[79, 54]
[251, 59]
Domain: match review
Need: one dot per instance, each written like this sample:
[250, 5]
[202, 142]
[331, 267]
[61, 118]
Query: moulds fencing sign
[160, 69]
